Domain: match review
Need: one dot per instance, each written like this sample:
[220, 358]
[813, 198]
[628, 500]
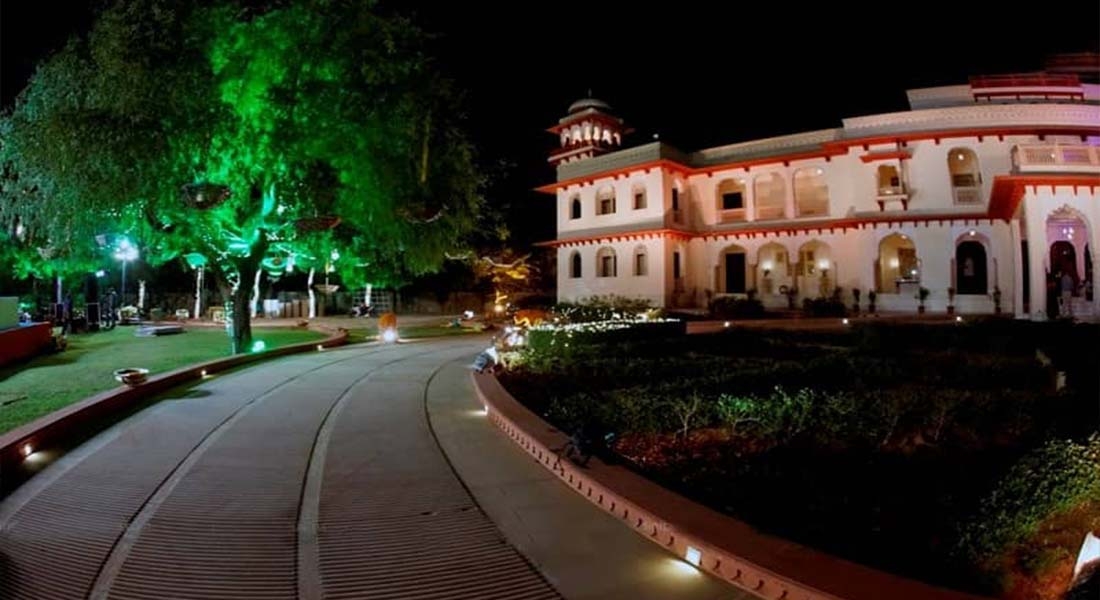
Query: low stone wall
[24, 341]
[729, 549]
[50, 429]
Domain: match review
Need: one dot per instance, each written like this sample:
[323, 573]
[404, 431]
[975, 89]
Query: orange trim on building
[1008, 190]
[873, 156]
[624, 236]
[828, 150]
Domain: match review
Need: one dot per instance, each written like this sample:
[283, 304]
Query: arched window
[966, 176]
[770, 194]
[575, 265]
[811, 192]
[897, 263]
[730, 196]
[605, 262]
[641, 267]
[638, 193]
[971, 272]
[575, 208]
[605, 201]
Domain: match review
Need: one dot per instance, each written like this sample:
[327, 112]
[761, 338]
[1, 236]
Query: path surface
[325, 475]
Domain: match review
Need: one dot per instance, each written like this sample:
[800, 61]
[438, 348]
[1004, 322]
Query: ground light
[389, 335]
[693, 556]
[844, 321]
[258, 346]
[958, 319]
[726, 324]
[27, 450]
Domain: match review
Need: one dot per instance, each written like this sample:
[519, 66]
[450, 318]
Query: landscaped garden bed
[951, 453]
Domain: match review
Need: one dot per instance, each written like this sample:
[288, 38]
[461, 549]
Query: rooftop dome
[585, 103]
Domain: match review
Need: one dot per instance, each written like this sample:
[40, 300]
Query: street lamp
[125, 252]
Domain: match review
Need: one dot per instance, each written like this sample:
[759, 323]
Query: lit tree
[242, 135]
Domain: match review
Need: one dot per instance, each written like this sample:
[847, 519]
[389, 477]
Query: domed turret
[589, 129]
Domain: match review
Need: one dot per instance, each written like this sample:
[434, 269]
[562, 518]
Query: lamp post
[125, 252]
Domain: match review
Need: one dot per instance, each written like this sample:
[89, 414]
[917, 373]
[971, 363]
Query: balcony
[892, 193]
[732, 215]
[1056, 158]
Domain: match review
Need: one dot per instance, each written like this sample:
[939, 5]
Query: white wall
[625, 283]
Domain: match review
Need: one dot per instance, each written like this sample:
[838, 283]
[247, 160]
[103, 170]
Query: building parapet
[1084, 116]
[784, 144]
[621, 159]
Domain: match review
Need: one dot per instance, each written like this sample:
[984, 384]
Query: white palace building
[990, 190]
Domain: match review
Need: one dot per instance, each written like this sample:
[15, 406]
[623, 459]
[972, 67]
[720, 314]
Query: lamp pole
[125, 252]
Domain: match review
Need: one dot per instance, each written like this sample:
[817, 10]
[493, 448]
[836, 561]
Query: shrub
[730, 307]
[824, 307]
[602, 308]
[1050, 480]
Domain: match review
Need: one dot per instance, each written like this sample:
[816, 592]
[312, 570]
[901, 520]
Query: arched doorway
[897, 265]
[971, 276]
[815, 270]
[1063, 259]
[732, 266]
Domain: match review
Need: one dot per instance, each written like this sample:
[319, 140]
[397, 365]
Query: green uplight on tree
[259, 346]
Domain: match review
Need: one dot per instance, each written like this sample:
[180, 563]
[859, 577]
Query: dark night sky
[698, 73]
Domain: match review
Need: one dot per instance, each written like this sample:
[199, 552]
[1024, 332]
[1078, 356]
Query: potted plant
[855, 300]
[996, 300]
[922, 295]
[871, 295]
[792, 295]
[950, 300]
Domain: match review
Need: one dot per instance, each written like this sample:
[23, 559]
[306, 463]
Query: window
[966, 176]
[731, 196]
[770, 192]
[575, 208]
[889, 181]
[605, 201]
[605, 263]
[575, 265]
[640, 266]
[898, 263]
[675, 265]
[811, 193]
[639, 197]
[675, 199]
[806, 264]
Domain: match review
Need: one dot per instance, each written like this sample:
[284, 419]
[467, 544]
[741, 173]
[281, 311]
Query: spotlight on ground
[389, 335]
[259, 346]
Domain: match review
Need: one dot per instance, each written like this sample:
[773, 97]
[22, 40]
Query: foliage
[215, 131]
[824, 307]
[1051, 479]
[602, 308]
[732, 307]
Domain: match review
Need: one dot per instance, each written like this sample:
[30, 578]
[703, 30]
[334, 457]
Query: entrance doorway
[735, 273]
[970, 268]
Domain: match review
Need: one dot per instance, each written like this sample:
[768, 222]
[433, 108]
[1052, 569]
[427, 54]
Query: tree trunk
[312, 297]
[241, 327]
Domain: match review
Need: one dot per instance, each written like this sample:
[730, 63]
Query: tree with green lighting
[248, 138]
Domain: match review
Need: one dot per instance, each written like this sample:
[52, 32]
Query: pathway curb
[729, 549]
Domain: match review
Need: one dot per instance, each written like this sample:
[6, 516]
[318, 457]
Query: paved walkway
[325, 475]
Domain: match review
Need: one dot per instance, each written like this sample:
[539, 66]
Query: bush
[824, 307]
[731, 307]
[1050, 480]
[602, 308]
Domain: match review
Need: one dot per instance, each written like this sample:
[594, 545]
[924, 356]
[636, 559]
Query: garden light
[468, 314]
[258, 346]
[726, 324]
[101, 274]
[958, 319]
[389, 335]
[844, 321]
[202, 373]
[498, 308]
[27, 450]
[693, 556]
[320, 347]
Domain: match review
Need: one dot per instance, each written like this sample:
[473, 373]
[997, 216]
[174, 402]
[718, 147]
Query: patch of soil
[1042, 568]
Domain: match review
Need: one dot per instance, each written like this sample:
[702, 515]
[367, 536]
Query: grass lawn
[47, 383]
[412, 332]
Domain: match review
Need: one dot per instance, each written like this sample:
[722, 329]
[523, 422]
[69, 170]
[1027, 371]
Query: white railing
[1056, 158]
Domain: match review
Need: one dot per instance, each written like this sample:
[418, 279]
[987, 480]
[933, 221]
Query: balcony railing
[968, 194]
[1056, 158]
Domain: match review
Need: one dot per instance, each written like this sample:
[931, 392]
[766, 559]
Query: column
[1014, 241]
[1036, 250]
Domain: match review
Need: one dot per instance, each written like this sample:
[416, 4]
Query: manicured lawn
[411, 332]
[48, 383]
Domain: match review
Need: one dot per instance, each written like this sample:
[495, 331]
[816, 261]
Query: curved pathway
[315, 476]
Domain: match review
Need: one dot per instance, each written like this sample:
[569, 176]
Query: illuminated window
[770, 194]
[605, 201]
[811, 193]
